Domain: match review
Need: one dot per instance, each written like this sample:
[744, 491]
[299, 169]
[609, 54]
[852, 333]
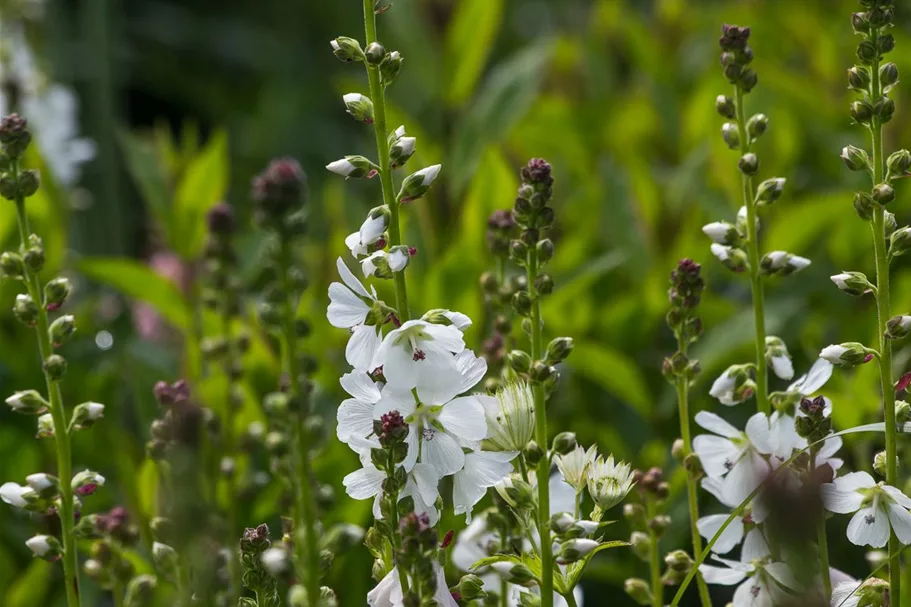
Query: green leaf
[201, 186]
[469, 40]
[575, 570]
[614, 372]
[30, 589]
[137, 280]
[487, 561]
[144, 163]
[147, 488]
[508, 93]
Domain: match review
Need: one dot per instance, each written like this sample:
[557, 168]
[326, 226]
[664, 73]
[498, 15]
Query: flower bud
[883, 193]
[898, 163]
[416, 185]
[679, 560]
[375, 53]
[87, 482]
[900, 241]
[515, 573]
[14, 135]
[62, 329]
[25, 310]
[723, 233]
[390, 67]
[347, 49]
[359, 106]
[724, 105]
[29, 181]
[356, 167]
[401, 151]
[519, 361]
[45, 547]
[661, 522]
[855, 158]
[862, 112]
[564, 443]
[11, 265]
[471, 588]
[852, 283]
[164, 557]
[55, 366]
[44, 485]
[885, 43]
[383, 264]
[749, 164]
[561, 522]
[859, 78]
[641, 545]
[748, 80]
[757, 125]
[56, 292]
[45, 426]
[574, 549]
[864, 205]
[638, 590]
[888, 75]
[521, 303]
[732, 258]
[884, 108]
[770, 190]
[782, 263]
[873, 592]
[529, 599]
[558, 350]
[27, 402]
[866, 50]
[533, 453]
[848, 354]
[902, 412]
[898, 327]
[731, 135]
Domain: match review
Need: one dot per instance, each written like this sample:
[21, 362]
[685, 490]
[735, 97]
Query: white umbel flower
[878, 508]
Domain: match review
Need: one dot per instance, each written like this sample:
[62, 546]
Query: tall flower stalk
[685, 294]
[873, 79]
[44, 492]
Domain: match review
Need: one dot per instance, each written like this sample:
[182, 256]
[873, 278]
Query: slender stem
[308, 550]
[378, 96]
[570, 599]
[654, 560]
[543, 471]
[523, 467]
[58, 414]
[692, 489]
[821, 538]
[233, 517]
[117, 594]
[752, 245]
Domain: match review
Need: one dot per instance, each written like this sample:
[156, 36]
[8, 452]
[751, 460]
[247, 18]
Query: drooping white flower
[760, 584]
[421, 486]
[575, 465]
[510, 417]
[609, 482]
[370, 232]
[395, 261]
[776, 352]
[737, 456]
[878, 508]
[349, 307]
[355, 414]
[482, 470]
[443, 422]
[44, 546]
[342, 166]
[419, 353]
[15, 494]
[734, 386]
[814, 379]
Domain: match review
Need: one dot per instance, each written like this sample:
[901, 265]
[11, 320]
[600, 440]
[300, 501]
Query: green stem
[570, 599]
[752, 245]
[231, 480]
[523, 467]
[378, 97]
[308, 550]
[117, 594]
[692, 489]
[58, 414]
[183, 586]
[654, 559]
[543, 471]
[821, 539]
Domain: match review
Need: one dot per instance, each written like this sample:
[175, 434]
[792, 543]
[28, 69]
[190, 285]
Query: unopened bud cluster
[182, 424]
[684, 294]
[498, 289]
[114, 534]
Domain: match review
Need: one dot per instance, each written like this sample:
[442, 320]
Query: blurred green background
[186, 101]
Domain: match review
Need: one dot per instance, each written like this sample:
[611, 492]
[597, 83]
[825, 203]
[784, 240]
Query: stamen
[419, 355]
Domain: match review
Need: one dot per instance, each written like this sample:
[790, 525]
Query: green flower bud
[521, 303]
[515, 573]
[558, 350]
[748, 80]
[861, 111]
[561, 522]
[888, 75]
[533, 453]
[757, 125]
[27, 402]
[866, 50]
[574, 549]
[900, 241]
[347, 49]
[638, 590]
[898, 163]
[56, 292]
[359, 106]
[770, 190]
[885, 43]
[45, 547]
[635, 514]
[902, 412]
[884, 108]
[62, 329]
[678, 450]
[545, 249]
[55, 366]
[898, 327]
[641, 544]
[859, 78]
[25, 310]
[390, 67]
[540, 371]
[731, 135]
[519, 360]
[564, 443]
[848, 354]
[416, 185]
[724, 105]
[679, 561]
[544, 284]
[11, 265]
[883, 193]
[28, 182]
[855, 158]
[852, 283]
[297, 596]
[375, 53]
[471, 588]
[864, 205]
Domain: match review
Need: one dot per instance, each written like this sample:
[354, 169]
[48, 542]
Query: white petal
[394, 400]
[783, 367]
[715, 486]
[471, 368]
[854, 481]
[562, 495]
[11, 493]
[364, 483]
[729, 539]
[447, 337]
[459, 321]
[754, 546]
[349, 279]
[359, 385]
[442, 451]
[714, 423]
[746, 475]
[426, 481]
[362, 347]
[345, 308]
[901, 523]
[815, 378]
[783, 575]
[869, 527]
[841, 502]
[721, 575]
[843, 594]
[753, 593]
[482, 470]
[355, 418]
[716, 454]
[464, 417]
[759, 432]
[898, 496]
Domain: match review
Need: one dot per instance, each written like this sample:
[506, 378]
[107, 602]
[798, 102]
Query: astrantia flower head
[575, 466]
[510, 417]
[609, 483]
[878, 508]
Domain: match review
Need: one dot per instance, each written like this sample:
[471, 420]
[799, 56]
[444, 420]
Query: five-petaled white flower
[421, 486]
[482, 470]
[737, 456]
[761, 584]
[420, 354]
[742, 529]
[877, 506]
[349, 307]
[355, 414]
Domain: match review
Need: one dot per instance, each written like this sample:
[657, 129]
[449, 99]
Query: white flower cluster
[427, 377]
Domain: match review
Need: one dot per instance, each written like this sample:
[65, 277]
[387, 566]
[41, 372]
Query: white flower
[421, 486]
[761, 585]
[782, 366]
[341, 167]
[878, 507]
[41, 545]
[15, 494]
[441, 421]
[94, 411]
[349, 307]
[737, 456]
[355, 414]
[429, 174]
[419, 353]
[574, 466]
[608, 483]
[814, 379]
[370, 232]
[388, 592]
[754, 544]
[510, 417]
[721, 252]
[482, 470]
[832, 353]
[732, 387]
[719, 231]
[275, 560]
[396, 260]
[843, 595]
